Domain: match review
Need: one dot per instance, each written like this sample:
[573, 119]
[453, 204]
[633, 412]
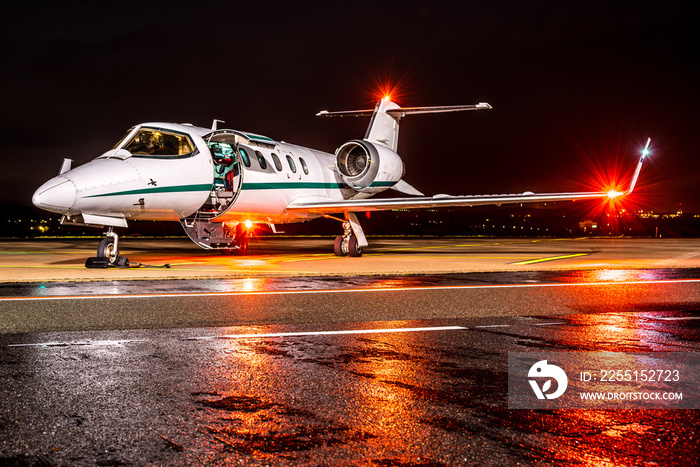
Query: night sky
[576, 87]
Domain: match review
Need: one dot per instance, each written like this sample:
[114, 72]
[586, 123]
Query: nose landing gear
[108, 253]
[109, 247]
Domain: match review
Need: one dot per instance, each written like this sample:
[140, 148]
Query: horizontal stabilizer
[401, 112]
[386, 116]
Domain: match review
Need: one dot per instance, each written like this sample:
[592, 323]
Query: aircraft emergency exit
[219, 182]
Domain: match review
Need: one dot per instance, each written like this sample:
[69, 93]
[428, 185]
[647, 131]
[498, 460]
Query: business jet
[221, 183]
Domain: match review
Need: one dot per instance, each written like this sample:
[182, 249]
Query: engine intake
[353, 160]
[368, 167]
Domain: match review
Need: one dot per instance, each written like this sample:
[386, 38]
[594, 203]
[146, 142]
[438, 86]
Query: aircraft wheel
[106, 250]
[242, 249]
[355, 249]
[338, 246]
[226, 252]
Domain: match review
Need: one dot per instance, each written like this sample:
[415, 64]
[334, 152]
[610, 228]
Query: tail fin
[386, 116]
[384, 127]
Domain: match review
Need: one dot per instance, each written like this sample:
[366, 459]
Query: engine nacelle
[367, 167]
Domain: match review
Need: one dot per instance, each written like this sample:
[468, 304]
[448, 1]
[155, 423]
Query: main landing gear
[347, 244]
[353, 239]
[240, 242]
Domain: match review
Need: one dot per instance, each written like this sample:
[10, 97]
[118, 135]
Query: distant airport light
[614, 194]
[248, 224]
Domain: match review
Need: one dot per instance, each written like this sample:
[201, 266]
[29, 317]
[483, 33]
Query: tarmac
[46, 260]
[293, 356]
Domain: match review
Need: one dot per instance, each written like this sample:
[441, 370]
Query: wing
[321, 206]
[328, 206]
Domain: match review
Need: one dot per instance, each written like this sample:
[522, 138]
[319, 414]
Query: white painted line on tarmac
[251, 336]
[678, 318]
[332, 291]
[334, 333]
[78, 343]
[508, 325]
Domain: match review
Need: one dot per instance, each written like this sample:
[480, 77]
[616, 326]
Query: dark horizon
[576, 88]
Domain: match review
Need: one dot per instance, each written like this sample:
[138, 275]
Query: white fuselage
[121, 185]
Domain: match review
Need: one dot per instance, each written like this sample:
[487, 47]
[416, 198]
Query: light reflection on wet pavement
[265, 284]
[196, 397]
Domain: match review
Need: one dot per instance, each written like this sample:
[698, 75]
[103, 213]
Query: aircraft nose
[56, 195]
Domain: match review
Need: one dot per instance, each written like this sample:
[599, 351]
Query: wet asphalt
[312, 390]
[325, 282]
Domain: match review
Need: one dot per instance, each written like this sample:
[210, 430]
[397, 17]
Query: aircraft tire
[242, 249]
[106, 250]
[355, 249]
[338, 246]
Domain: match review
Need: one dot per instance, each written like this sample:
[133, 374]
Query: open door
[228, 178]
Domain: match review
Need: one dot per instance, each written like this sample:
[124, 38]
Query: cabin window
[292, 166]
[304, 167]
[261, 160]
[244, 157]
[159, 143]
[276, 160]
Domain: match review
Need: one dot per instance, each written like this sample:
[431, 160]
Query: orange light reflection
[620, 329]
[391, 283]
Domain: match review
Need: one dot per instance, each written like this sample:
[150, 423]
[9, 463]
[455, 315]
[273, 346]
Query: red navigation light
[386, 91]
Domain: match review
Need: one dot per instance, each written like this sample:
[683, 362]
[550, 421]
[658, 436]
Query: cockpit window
[152, 142]
[123, 138]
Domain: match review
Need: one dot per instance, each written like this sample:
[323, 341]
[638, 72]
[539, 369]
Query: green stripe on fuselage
[308, 185]
[246, 186]
[156, 189]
